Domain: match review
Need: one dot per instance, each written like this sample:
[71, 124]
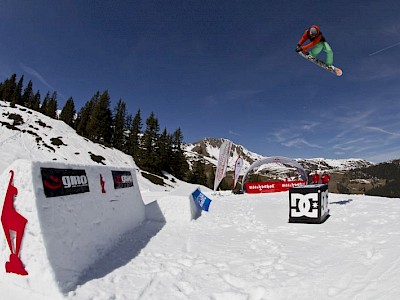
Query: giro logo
[53, 183]
[122, 179]
[74, 181]
[61, 182]
[304, 206]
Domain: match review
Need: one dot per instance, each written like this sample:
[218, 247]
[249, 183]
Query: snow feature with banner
[66, 209]
[276, 159]
[222, 163]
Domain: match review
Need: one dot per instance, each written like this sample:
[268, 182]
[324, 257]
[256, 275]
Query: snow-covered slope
[27, 134]
[244, 248]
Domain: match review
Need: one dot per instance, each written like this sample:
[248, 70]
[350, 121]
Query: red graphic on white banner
[13, 221]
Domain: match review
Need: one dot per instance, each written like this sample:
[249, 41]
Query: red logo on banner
[54, 184]
[102, 183]
[12, 220]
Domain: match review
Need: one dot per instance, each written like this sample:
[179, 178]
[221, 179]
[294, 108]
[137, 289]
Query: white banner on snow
[222, 163]
[238, 168]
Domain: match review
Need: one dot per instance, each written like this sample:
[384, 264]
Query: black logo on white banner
[304, 205]
[122, 179]
[62, 182]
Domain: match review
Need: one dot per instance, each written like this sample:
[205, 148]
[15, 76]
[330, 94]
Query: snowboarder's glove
[298, 48]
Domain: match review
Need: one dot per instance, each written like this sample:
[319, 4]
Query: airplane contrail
[385, 49]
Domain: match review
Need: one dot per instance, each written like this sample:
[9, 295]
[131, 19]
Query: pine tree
[8, 88]
[100, 124]
[198, 175]
[119, 125]
[164, 151]
[85, 115]
[16, 95]
[127, 134]
[45, 103]
[179, 164]
[149, 159]
[68, 112]
[134, 137]
[36, 102]
[28, 97]
[52, 106]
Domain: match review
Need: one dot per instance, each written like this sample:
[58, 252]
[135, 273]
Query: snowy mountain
[208, 148]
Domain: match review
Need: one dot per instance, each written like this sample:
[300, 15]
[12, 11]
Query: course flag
[222, 163]
[238, 168]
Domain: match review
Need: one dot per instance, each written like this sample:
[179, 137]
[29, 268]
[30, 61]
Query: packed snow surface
[244, 248]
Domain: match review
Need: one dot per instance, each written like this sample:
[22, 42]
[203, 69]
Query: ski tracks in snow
[375, 246]
[235, 262]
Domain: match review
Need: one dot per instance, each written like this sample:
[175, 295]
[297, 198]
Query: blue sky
[223, 69]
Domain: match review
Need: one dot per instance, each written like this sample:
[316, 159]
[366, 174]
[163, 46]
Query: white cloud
[299, 143]
[234, 133]
[36, 74]
[381, 130]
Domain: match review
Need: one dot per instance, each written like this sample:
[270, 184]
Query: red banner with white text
[271, 186]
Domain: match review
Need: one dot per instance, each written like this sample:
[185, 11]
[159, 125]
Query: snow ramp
[75, 214]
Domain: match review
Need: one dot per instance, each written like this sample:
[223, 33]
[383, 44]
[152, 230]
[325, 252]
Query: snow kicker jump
[69, 217]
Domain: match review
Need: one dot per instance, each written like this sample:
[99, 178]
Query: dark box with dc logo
[308, 204]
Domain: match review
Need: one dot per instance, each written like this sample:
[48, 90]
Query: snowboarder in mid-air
[316, 45]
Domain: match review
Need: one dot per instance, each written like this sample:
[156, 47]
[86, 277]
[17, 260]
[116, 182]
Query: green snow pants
[327, 49]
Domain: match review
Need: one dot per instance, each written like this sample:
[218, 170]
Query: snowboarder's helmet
[313, 31]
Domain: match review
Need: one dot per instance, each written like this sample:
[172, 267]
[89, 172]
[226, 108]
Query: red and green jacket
[313, 40]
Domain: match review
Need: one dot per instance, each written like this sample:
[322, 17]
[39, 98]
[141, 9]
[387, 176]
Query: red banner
[271, 186]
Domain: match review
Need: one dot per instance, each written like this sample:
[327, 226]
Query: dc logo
[201, 199]
[303, 206]
[324, 202]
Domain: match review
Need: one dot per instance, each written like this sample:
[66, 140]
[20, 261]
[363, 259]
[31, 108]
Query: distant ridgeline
[379, 180]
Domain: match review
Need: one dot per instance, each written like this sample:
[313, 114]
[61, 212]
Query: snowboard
[335, 70]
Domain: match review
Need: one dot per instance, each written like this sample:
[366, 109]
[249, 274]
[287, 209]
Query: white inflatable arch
[276, 159]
